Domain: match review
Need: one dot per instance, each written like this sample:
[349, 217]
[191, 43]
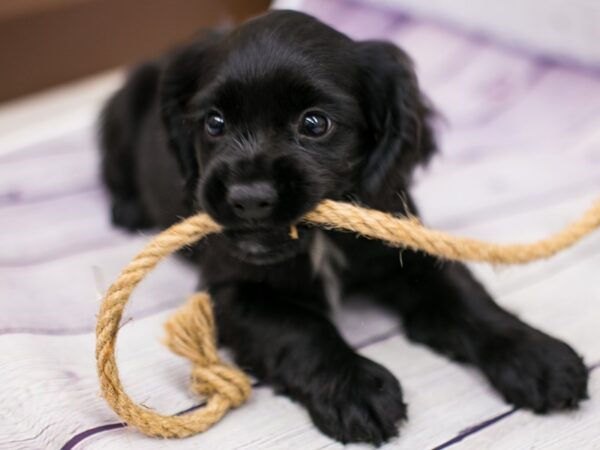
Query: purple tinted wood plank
[491, 83]
[17, 197]
[331, 12]
[561, 99]
[72, 142]
[439, 56]
[535, 123]
[356, 21]
[364, 24]
[34, 233]
[48, 175]
[454, 195]
[34, 299]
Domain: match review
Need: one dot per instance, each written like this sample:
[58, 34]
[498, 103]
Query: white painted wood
[529, 225]
[35, 299]
[60, 167]
[51, 114]
[523, 430]
[152, 375]
[77, 223]
[436, 390]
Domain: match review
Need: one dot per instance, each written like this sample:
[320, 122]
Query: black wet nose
[253, 200]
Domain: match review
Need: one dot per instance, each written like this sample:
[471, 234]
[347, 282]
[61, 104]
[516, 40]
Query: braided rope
[191, 333]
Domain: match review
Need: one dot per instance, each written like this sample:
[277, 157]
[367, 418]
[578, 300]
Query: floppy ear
[186, 71]
[399, 119]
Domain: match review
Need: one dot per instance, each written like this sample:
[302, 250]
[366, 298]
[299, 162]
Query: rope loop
[191, 331]
[223, 380]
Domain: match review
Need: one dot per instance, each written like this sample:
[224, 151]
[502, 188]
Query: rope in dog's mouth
[191, 331]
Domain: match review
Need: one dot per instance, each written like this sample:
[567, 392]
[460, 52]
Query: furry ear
[398, 115]
[185, 72]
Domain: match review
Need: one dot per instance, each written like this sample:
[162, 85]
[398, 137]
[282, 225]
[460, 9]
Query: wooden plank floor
[521, 157]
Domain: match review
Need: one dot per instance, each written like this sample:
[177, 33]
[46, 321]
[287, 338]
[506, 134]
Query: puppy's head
[283, 112]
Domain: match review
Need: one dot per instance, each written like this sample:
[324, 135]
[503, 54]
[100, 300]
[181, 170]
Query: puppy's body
[256, 126]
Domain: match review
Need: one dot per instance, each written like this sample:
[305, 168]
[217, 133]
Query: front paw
[537, 372]
[358, 403]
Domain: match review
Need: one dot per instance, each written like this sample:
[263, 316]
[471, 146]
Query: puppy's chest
[327, 261]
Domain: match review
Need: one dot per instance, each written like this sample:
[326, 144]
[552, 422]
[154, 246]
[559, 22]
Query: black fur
[160, 165]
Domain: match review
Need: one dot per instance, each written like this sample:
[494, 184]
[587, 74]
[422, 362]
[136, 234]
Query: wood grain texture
[521, 157]
[556, 432]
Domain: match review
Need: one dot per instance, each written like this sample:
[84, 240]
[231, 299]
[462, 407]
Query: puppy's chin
[264, 246]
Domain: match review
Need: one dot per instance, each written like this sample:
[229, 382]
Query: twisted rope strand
[191, 333]
[402, 232]
[111, 311]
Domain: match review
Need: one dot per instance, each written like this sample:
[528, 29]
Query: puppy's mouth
[265, 245]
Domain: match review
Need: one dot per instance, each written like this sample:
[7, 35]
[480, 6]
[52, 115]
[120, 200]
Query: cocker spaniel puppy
[255, 126]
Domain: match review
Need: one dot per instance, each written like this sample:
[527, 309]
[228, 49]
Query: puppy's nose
[253, 200]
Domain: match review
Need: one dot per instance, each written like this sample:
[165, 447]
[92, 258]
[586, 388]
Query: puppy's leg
[280, 337]
[120, 124]
[443, 306]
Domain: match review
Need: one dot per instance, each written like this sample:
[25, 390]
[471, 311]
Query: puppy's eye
[215, 124]
[314, 124]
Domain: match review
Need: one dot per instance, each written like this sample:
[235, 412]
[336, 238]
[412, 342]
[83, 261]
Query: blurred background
[47, 42]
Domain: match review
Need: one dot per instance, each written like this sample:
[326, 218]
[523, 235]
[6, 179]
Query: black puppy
[256, 126]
